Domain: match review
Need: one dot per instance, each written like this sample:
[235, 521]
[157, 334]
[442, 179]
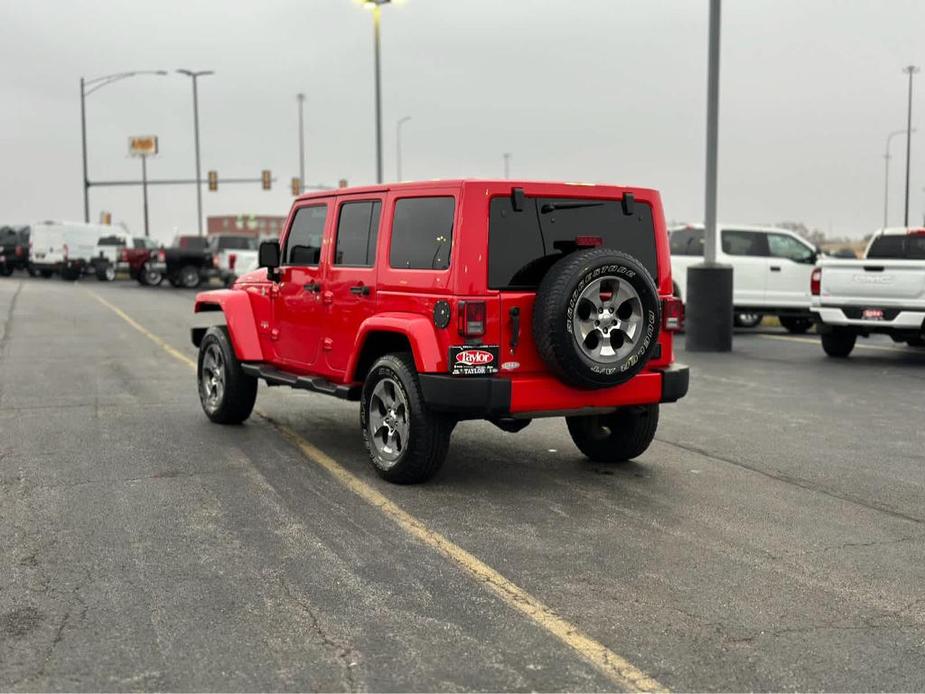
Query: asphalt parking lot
[772, 538]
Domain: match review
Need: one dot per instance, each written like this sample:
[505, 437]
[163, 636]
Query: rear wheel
[6, 270]
[796, 325]
[150, 278]
[105, 273]
[615, 437]
[747, 320]
[406, 442]
[227, 393]
[188, 277]
[838, 343]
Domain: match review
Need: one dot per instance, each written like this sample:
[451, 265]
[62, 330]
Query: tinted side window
[303, 245]
[783, 246]
[686, 242]
[745, 243]
[357, 232]
[422, 233]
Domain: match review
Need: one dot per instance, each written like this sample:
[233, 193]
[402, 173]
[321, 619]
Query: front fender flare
[420, 332]
[239, 317]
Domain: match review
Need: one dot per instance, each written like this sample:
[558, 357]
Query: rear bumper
[543, 396]
[904, 319]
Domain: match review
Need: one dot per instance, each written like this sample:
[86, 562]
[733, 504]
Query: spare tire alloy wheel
[596, 318]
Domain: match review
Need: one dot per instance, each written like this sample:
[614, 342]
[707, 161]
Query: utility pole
[709, 284]
[401, 122]
[507, 164]
[910, 70]
[144, 189]
[886, 175]
[301, 99]
[195, 77]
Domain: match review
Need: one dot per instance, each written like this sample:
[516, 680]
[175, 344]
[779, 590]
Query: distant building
[247, 224]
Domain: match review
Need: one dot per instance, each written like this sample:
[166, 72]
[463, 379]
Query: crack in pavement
[344, 653]
[796, 482]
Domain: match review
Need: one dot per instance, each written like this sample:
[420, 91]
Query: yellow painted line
[617, 668]
[810, 341]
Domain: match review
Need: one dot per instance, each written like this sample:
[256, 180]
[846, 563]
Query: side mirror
[268, 257]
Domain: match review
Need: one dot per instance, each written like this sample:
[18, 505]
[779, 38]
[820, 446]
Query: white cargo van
[66, 248]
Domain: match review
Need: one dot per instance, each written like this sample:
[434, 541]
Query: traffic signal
[266, 178]
[296, 186]
[106, 218]
[213, 180]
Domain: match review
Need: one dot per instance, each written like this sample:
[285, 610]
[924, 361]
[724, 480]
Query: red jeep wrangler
[446, 300]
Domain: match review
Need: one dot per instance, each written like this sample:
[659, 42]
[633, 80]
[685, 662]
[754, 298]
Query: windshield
[523, 245]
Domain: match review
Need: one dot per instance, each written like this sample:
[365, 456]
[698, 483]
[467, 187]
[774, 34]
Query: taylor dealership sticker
[474, 360]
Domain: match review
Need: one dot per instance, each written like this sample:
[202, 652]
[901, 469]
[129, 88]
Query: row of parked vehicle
[73, 250]
[776, 272]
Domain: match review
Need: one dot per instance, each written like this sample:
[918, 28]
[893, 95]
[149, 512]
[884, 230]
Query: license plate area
[474, 360]
[872, 314]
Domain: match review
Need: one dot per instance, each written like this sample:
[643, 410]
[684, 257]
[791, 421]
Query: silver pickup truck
[882, 293]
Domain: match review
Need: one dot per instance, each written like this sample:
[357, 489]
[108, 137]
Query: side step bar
[276, 377]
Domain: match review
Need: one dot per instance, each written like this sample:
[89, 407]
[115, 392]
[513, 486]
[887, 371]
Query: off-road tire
[239, 391]
[796, 325]
[616, 437]
[838, 343]
[556, 300]
[6, 270]
[429, 432]
[188, 277]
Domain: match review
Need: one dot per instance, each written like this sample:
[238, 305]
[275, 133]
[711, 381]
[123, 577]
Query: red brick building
[247, 224]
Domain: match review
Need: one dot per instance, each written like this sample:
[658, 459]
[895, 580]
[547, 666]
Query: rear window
[236, 243]
[896, 247]
[111, 241]
[523, 245]
[193, 243]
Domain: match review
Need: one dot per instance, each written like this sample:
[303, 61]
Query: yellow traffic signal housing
[213, 180]
[296, 186]
[266, 178]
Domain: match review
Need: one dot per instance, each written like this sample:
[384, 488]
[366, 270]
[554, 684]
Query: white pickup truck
[771, 269]
[234, 255]
[882, 293]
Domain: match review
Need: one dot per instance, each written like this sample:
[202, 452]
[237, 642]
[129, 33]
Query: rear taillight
[124, 255]
[65, 251]
[19, 251]
[471, 318]
[161, 257]
[815, 282]
[232, 259]
[672, 314]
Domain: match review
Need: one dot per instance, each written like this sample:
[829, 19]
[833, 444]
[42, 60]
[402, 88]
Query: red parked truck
[439, 301]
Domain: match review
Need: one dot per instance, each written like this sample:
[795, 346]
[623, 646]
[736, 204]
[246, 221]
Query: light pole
[301, 99]
[886, 174]
[910, 70]
[507, 164]
[401, 122]
[195, 76]
[87, 87]
[376, 6]
[709, 284]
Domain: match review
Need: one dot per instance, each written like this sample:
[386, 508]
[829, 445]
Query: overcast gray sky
[580, 90]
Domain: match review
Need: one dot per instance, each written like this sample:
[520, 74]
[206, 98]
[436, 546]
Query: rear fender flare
[239, 317]
[420, 332]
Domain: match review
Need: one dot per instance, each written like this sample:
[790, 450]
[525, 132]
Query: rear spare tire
[596, 318]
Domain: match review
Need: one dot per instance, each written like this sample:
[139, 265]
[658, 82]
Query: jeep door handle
[775, 268]
[312, 287]
[360, 290]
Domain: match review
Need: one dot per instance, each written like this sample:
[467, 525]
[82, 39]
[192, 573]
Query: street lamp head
[194, 73]
[376, 3]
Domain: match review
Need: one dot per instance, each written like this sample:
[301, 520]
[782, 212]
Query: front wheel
[747, 320]
[106, 273]
[227, 393]
[406, 442]
[794, 325]
[189, 277]
[838, 343]
[615, 437]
